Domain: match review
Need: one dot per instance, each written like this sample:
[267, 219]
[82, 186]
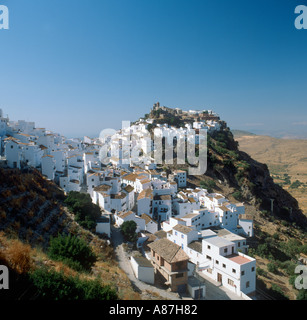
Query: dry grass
[283, 156]
[15, 254]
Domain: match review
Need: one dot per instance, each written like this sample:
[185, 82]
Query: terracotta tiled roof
[147, 218]
[146, 193]
[182, 229]
[128, 188]
[168, 250]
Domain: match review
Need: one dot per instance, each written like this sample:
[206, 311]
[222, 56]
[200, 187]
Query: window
[253, 269]
[175, 233]
[242, 273]
[208, 257]
[247, 284]
[224, 265]
[179, 275]
[225, 250]
[239, 244]
[216, 261]
[233, 270]
[230, 282]
[182, 236]
[208, 247]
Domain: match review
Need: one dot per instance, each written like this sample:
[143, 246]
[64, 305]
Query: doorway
[219, 278]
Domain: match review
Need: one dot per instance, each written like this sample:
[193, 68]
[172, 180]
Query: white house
[102, 198]
[3, 124]
[69, 185]
[122, 217]
[216, 256]
[130, 196]
[162, 207]
[180, 176]
[60, 160]
[48, 166]
[182, 235]
[143, 269]
[144, 202]
[119, 201]
[93, 180]
[103, 226]
[150, 224]
[235, 270]
[13, 152]
[247, 225]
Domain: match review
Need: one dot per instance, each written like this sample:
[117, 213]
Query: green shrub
[261, 272]
[272, 267]
[302, 295]
[73, 251]
[296, 184]
[52, 285]
[85, 211]
[278, 292]
[208, 184]
[237, 195]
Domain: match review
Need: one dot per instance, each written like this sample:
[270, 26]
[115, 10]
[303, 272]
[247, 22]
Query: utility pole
[272, 206]
[290, 208]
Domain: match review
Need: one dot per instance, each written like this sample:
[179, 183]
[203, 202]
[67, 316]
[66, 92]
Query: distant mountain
[239, 133]
[286, 160]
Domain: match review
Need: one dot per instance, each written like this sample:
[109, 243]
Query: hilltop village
[182, 232]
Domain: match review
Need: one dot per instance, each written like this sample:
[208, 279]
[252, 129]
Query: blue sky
[77, 67]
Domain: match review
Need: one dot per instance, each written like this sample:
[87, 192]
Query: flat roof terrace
[238, 258]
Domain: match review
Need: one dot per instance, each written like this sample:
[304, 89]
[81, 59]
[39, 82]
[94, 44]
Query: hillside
[279, 235]
[232, 168]
[286, 160]
[31, 213]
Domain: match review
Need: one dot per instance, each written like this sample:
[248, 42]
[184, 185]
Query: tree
[73, 251]
[128, 229]
[85, 211]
